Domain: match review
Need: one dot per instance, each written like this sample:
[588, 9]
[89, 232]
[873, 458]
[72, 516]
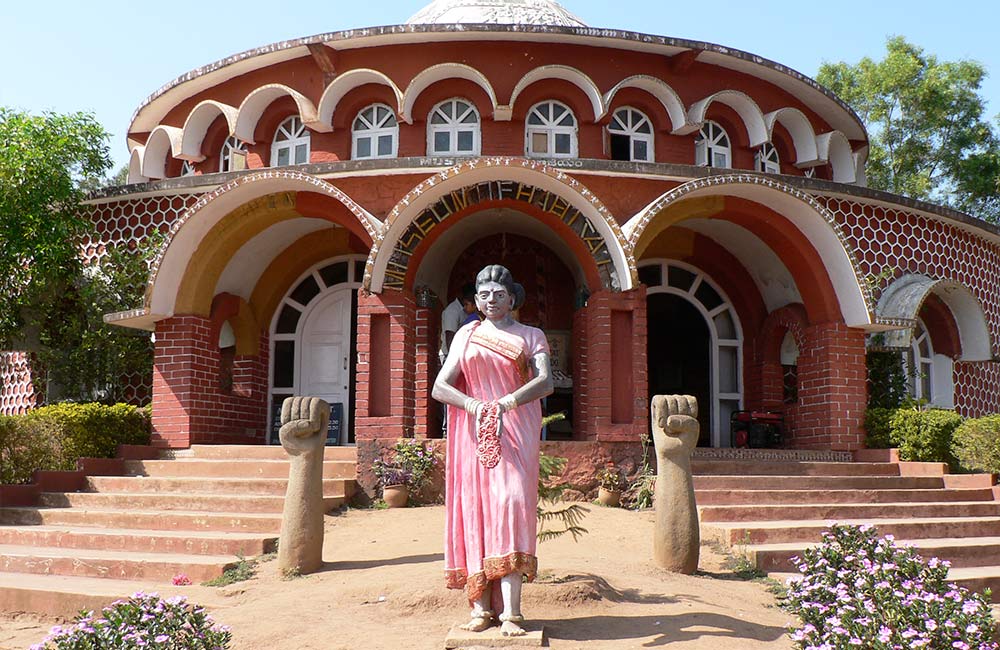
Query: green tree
[51, 301]
[43, 162]
[925, 122]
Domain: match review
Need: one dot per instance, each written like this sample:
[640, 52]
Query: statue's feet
[479, 622]
[510, 625]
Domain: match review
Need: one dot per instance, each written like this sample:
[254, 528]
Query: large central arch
[547, 194]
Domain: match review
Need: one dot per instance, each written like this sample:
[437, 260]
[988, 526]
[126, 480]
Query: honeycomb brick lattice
[132, 221]
[16, 392]
[887, 238]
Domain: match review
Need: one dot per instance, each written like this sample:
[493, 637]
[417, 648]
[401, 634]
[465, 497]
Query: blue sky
[106, 56]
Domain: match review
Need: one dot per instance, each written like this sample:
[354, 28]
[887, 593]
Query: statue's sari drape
[491, 513]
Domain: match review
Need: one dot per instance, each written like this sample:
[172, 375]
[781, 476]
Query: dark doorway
[679, 354]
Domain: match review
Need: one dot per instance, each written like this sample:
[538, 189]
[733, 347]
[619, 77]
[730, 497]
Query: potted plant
[395, 484]
[407, 471]
[609, 480]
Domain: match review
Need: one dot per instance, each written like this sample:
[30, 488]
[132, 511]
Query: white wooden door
[324, 364]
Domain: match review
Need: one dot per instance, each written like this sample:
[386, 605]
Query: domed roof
[497, 12]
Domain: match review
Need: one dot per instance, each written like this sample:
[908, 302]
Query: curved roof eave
[838, 114]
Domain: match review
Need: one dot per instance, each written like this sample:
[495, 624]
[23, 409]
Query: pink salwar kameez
[491, 514]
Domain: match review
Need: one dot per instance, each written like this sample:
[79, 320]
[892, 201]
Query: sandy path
[383, 587]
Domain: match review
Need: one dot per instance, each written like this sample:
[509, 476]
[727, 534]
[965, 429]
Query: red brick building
[685, 217]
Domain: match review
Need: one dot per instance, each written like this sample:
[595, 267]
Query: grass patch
[244, 570]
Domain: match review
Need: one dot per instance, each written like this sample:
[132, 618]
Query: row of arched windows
[453, 129]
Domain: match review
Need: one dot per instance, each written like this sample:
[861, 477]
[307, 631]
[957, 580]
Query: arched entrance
[694, 343]
[314, 344]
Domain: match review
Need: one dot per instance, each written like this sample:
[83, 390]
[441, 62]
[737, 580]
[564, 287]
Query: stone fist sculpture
[304, 421]
[676, 537]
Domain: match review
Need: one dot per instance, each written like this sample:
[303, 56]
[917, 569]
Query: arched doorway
[314, 344]
[694, 343]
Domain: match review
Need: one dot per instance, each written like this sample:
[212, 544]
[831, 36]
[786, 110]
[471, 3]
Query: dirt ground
[383, 587]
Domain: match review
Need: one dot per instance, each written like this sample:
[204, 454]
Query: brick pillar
[610, 380]
[189, 406]
[427, 411]
[384, 402]
[832, 388]
[582, 425]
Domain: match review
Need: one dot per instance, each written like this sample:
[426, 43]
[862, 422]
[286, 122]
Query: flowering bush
[181, 580]
[609, 477]
[862, 591]
[142, 621]
[411, 464]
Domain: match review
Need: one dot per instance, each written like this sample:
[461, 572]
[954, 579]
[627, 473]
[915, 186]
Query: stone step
[734, 533]
[121, 565]
[221, 468]
[962, 552]
[187, 485]
[836, 512]
[133, 540]
[791, 468]
[247, 522]
[257, 452]
[743, 482]
[174, 501]
[65, 596]
[839, 496]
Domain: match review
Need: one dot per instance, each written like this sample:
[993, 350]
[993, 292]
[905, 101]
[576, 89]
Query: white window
[550, 131]
[453, 129]
[291, 144]
[766, 160]
[631, 136]
[712, 147]
[233, 156]
[919, 364]
[187, 168]
[375, 133]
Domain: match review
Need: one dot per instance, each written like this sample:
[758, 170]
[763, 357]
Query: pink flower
[181, 580]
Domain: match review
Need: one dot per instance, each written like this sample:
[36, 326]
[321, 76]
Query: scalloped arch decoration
[163, 140]
[429, 76]
[254, 105]
[745, 107]
[566, 73]
[197, 123]
[348, 81]
[660, 90]
[803, 135]
[135, 165]
[836, 148]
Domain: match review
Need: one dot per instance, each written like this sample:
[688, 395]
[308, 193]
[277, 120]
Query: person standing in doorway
[456, 314]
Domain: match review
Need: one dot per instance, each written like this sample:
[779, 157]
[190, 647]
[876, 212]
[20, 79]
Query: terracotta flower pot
[395, 496]
[610, 498]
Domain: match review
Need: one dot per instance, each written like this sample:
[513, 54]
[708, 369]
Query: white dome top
[497, 12]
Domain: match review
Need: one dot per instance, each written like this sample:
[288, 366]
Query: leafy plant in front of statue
[859, 590]
[556, 517]
[411, 463]
[142, 621]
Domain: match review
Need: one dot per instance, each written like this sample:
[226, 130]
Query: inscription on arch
[496, 190]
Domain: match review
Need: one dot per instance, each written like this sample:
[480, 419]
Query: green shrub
[976, 444]
[142, 621]
[877, 427]
[924, 435]
[54, 437]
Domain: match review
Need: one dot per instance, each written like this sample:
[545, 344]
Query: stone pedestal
[491, 638]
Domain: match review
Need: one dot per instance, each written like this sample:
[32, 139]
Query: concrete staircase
[772, 510]
[192, 512]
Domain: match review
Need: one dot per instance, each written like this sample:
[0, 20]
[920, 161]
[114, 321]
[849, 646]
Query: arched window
[291, 144]
[233, 156]
[453, 129]
[375, 133]
[712, 147]
[919, 364]
[550, 131]
[187, 168]
[789, 357]
[631, 136]
[766, 160]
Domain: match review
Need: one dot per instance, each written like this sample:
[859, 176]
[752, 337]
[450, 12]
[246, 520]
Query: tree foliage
[51, 301]
[43, 162]
[929, 139]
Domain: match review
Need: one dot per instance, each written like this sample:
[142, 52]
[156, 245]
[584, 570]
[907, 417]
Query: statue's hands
[304, 422]
[674, 422]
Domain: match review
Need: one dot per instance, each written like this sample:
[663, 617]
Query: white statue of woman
[496, 373]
